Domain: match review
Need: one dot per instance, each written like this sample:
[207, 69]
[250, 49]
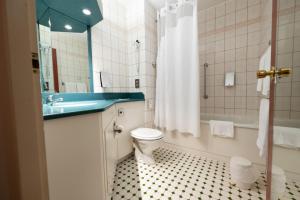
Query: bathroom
[153, 99]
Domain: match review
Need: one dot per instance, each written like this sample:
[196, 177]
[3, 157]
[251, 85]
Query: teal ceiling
[62, 12]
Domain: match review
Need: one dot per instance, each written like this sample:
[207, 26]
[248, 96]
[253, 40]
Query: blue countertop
[86, 103]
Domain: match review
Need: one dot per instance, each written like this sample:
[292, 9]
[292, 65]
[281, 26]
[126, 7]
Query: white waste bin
[278, 182]
[242, 172]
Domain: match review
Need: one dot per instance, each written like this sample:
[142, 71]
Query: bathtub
[243, 143]
[241, 122]
[248, 122]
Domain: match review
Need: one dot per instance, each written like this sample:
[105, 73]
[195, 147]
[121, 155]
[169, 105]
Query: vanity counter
[78, 106]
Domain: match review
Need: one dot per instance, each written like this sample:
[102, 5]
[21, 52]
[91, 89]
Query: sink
[74, 104]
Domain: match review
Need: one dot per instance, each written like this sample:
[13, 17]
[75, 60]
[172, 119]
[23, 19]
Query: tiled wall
[109, 46]
[72, 57]
[150, 64]
[115, 50]
[229, 35]
[46, 56]
[142, 26]
[233, 35]
[287, 102]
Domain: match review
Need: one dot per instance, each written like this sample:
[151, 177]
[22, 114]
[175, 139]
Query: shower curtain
[178, 85]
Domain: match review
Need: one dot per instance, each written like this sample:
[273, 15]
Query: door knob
[281, 72]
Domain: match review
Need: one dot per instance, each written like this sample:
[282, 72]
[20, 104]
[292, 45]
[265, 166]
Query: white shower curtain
[178, 85]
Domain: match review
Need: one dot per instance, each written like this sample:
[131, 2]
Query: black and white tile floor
[178, 175]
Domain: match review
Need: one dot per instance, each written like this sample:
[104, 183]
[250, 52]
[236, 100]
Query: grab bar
[205, 96]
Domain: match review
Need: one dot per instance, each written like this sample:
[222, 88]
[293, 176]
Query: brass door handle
[281, 72]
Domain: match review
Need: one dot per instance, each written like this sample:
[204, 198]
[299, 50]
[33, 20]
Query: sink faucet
[51, 100]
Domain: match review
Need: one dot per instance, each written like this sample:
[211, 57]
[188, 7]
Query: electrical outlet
[137, 83]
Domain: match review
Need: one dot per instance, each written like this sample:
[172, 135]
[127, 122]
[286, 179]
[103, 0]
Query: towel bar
[205, 96]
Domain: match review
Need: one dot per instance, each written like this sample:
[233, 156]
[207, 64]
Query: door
[283, 152]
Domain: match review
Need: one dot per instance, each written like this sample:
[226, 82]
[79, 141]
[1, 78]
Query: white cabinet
[74, 159]
[82, 151]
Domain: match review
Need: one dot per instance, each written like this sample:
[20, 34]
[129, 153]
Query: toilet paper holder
[117, 128]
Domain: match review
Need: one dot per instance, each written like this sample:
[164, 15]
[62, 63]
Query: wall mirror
[64, 35]
[63, 61]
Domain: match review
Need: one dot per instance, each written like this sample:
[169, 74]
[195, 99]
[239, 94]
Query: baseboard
[126, 157]
[195, 152]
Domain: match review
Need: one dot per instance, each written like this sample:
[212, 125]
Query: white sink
[74, 104]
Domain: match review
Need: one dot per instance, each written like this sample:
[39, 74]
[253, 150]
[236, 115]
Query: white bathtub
[243, 144]
[248, 122]
[242, 122]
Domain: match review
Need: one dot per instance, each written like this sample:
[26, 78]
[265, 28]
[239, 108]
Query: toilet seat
[147, 134]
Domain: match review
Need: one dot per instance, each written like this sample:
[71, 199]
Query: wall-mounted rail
[205, 96]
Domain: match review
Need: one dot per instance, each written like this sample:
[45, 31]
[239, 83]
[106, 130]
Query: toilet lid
[146, 134]
[241, 161]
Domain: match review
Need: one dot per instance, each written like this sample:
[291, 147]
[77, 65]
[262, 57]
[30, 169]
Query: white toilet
[242, 172]
[145, 141]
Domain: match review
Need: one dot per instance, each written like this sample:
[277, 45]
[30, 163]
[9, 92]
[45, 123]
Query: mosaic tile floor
[178, 175]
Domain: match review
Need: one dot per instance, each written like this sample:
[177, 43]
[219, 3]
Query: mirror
[64, 34]
[63, 61]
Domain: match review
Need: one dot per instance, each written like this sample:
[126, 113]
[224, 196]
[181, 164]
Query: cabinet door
[111, 155]
[131, 118]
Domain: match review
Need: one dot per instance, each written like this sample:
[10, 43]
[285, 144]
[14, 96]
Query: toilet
[145, 141]
[243, 174]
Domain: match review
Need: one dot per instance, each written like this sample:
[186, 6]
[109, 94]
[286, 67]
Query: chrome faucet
[51, 100]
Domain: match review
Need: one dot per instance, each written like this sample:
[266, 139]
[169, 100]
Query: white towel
[70, 87]
[263, 127]
[81, 87]
[263, 84]
[106, 79]
[287, 136]
[222, 128]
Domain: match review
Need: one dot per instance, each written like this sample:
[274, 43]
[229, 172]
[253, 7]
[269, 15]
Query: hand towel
[260, 67]
[263, 84]
[287, 136]
[263, 127]
[222, 128]
[267, 66]
[106, 79]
